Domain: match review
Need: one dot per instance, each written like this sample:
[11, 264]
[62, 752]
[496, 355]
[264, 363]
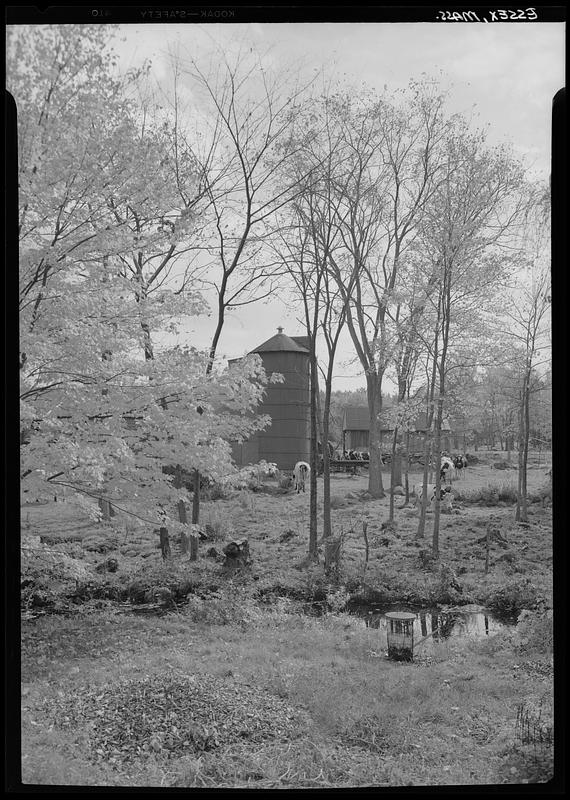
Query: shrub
[251, 476]
[48, 574]
[337, 599]
[218, 491]
[535, 631]
[507, 493]
[489, 495]
[513, 598]
[216, 528]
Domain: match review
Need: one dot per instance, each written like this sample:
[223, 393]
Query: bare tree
[465, 235]
[244, 145]
[529, 329]
[394, 152]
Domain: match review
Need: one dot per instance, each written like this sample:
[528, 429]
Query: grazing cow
[300, 472]
[447, 469]
[444, 493]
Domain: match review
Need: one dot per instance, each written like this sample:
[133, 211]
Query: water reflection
[433, 626]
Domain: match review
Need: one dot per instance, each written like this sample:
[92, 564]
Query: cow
[444, 494]
[460, 464]
[300, 472]
[447, 469]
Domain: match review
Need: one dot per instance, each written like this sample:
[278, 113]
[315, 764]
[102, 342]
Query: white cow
[300, 472]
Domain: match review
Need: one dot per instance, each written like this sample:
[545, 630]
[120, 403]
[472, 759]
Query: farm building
[356, 431]
[288, 438]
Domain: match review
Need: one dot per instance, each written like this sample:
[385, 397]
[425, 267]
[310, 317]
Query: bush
[222, 608]
[489, 495]
[48, 574]
[513, 598]
[535, 631]
[507, 493]
[218, 491]
[250, 477]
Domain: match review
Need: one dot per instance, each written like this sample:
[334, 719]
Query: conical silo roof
[280, 343]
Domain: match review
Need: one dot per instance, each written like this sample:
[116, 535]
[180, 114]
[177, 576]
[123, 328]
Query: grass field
[238, 688]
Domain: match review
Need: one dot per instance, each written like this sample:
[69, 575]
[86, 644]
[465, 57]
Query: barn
[288, 438]
[356, 431]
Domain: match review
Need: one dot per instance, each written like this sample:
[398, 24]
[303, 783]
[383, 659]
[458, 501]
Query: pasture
[237, 686]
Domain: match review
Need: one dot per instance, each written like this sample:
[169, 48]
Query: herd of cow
[451, 467]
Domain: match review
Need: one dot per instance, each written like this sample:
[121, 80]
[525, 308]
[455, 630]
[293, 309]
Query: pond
[431, 627]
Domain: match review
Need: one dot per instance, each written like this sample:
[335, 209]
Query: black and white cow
[460, 464]
[444, 493]
[300, 473]
[447, 469]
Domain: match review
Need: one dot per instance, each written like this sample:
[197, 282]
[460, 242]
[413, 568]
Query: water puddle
[432, 627]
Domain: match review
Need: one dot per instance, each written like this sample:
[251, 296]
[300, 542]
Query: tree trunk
[423, 507]
[437, 462]
[373, 388]
[524, 431]
[393, 473]
[196, 498]
[332, 554]
[313, 550]
[407, 468]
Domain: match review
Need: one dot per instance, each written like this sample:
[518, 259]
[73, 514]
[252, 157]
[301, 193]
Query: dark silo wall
[287, 439]
[246, 452]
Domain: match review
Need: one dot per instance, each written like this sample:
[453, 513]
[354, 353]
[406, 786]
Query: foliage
[48, 573]
[250, 476]
[535, 631]
[514, 597]
[103, 406]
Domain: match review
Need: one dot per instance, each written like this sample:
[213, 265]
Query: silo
[288, 438]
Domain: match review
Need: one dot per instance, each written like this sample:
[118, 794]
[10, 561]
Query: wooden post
[106, 508]
[182, 516]
[164, 543]
[193, 547]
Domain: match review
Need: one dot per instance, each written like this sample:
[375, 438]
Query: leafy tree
[101, 409]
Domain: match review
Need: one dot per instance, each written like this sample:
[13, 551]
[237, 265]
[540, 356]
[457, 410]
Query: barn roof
[280, 343]
[357, 418]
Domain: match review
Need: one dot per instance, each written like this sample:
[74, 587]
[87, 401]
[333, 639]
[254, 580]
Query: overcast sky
[507, 73]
